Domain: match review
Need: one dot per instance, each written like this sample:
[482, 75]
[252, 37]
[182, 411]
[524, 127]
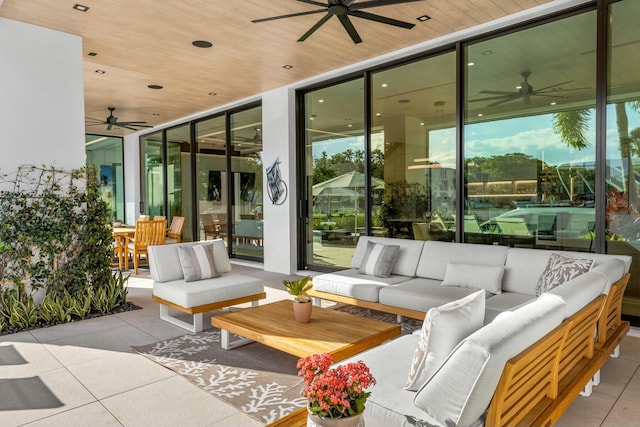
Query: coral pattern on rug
[258, 380]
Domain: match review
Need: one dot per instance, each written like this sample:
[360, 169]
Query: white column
[278, 143]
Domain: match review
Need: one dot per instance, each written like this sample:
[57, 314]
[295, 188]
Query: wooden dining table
[120, 234]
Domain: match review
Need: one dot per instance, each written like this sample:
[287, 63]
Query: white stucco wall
[41, 97]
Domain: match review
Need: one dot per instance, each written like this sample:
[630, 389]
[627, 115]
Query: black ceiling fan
[525, 91]
[256, 139]
[342, 9]
[112, 120]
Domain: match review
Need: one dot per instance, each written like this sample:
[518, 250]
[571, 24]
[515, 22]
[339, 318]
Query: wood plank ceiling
[146, 42]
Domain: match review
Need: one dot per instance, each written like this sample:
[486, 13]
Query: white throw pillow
[560, 269]
[379, 259]
[443, 329]
[197, 262]
[487, 277]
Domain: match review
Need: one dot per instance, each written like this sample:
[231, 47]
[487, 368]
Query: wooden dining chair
[159, 217]
[210, 225]
[143, 217]
[174, 233]
[147, 233]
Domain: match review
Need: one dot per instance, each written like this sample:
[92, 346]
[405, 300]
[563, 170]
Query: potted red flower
[337, 394]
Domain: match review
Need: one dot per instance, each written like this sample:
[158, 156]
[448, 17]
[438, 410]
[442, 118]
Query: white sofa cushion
[351, 283]
[421, 294]
[580, 291]
[436, 255]
[613, 269]
[197, 262]
[379, 259]
[442, 330]
[560, 269]
[408, 255]
[487, 277]
[207, 291]
[461, 390]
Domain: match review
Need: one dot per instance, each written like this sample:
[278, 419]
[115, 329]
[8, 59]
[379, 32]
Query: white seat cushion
[350, 283]
[208, 291]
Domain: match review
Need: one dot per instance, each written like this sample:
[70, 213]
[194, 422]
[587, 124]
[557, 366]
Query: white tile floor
[86, 374]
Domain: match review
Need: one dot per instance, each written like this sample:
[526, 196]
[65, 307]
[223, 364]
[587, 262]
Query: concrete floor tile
[25, 359]
[614, 376]
[29, 399]
[81, 327]
[93, 414]
[630, 349]
[171, 402]
[587, 411]
[625, 412]
[237, 420]
[117, 373]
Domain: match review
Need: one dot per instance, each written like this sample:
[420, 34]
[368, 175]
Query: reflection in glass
[334, 141]
[152, 163]
[105, 154]
[413, 150]
[246, 168]
[623, 137]
[529, 137]
[179, 177]
[211, 178]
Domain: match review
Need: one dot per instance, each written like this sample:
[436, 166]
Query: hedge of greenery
[55, 249]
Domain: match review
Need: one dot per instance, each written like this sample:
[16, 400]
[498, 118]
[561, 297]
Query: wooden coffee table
[330, 331]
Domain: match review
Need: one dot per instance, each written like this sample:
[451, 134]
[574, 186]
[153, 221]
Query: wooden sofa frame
[538, 385]
[197, 311]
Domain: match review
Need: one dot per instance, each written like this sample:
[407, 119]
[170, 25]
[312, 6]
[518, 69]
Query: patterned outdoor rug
[258, 380]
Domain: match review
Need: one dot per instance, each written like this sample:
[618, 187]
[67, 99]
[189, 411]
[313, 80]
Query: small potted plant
[301, 300]
[334, 392]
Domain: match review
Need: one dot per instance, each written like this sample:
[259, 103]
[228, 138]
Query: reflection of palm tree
[572, 127]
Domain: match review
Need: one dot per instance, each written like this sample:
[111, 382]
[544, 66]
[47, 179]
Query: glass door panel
[179, 177]
[153, 181]
[413, 151]
[246, 168]
[335, 166]
[211, 178]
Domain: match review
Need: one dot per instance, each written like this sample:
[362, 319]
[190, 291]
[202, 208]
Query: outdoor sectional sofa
[525, 365]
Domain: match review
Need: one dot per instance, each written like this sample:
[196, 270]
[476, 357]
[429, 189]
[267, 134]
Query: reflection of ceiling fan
[256, 139]
[113, 121]
[524, 91]
[342, 9]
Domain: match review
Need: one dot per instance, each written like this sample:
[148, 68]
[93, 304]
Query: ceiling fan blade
[382, 19]
[494, 104]
[315, 3]
[555, 85]
[126, 127]
[290, 15]
[378, 3]
[346, 23]
[138, 123]
[315, 27]
[500, 92]
[492, 98]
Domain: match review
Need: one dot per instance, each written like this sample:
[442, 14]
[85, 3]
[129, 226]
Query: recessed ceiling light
[518, 87]
[552, 103]
[320, 101]
[480, 114]
[154, 86]
[80, 7]
[487, 52]
[349, 125]
[421, 123]
[378, 114]
[384, 85]
[471, 64]
[202, 43]
[287, 67]
[92, 54]
[100, 71]
[423, 18]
